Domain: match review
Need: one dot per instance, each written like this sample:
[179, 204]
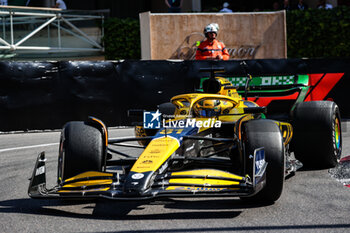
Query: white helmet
[213, 27]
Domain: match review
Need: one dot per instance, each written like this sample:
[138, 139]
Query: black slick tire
[81, 150]
[317, 140]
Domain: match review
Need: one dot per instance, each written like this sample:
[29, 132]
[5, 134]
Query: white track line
[41, 145]
[28, 147]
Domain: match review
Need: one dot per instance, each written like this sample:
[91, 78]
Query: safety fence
[25, 30]
[45, 95]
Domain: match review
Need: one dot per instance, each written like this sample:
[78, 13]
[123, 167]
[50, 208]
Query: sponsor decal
[40, 170]
[137, 176]
[264, 81]
[163, 167]
[259, 160]
[261, 81]
[143, 167]
[160, 144]
[200, 189]
[151, 120]
[243, 51]
[187, 49]
[151, 156]
[171, 131]
[155, 151]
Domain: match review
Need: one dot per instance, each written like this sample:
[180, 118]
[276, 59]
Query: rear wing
[272, 85]
[264, 86]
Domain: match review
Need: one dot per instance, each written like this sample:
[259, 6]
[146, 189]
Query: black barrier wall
[45, 95]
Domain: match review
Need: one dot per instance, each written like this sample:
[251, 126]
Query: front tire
[266, 133]
[81, 150]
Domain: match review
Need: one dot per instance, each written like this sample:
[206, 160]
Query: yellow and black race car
[212, 143]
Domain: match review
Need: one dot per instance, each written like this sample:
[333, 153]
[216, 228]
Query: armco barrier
[45, 95]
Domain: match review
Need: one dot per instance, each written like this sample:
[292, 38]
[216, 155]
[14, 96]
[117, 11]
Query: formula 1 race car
[213, 143]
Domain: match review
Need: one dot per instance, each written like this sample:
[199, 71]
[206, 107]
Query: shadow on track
[105, 209]
[299, 228]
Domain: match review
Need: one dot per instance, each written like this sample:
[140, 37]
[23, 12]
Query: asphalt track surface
[312, 201]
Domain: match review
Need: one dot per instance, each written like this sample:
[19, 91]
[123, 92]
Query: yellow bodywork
[106, 179]
[88, 190]
[212, 173]
[198, 189]
[88, 183]
[89, 174]
[207, 172]
[156, 153]
[200, 181]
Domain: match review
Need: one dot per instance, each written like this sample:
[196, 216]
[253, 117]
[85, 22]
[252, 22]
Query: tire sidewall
[265, 133]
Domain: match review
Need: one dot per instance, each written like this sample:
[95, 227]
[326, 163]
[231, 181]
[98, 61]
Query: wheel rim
[337, 138]
[337, 133]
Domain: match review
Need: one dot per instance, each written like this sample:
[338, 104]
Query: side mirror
[167, 109]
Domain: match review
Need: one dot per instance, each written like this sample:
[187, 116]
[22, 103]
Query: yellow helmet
[207, 108]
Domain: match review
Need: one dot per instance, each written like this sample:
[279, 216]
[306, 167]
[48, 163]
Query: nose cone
[156, 153]
[137, 184]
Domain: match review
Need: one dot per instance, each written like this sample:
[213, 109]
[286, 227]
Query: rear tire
[266, 133]
[317, 140]
[81, 150]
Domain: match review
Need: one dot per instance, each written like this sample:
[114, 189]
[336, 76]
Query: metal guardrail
[21, 26]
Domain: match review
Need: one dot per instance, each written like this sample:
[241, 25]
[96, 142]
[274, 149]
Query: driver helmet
[213, 27]
[208, 108]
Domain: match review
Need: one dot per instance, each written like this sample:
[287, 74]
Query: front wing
[192, 183]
